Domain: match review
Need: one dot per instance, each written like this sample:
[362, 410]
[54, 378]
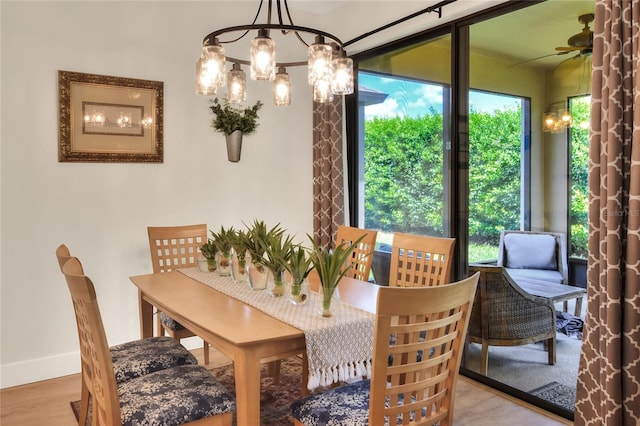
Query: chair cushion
[536, 274]
[141, 357]
[172, 397]
[344, 405]
[530, 251]
[169, 322]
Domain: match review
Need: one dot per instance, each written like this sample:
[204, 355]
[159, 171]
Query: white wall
[101, 211]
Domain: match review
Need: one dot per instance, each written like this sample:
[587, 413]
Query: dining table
[244, 333]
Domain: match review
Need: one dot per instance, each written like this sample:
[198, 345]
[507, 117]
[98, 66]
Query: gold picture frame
[109, 119]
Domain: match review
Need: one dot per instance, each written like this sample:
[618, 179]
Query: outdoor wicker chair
[505, 315]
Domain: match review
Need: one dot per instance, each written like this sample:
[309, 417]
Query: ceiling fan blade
[569, 49]
[540, 57]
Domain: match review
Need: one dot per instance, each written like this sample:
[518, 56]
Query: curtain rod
[435, 8]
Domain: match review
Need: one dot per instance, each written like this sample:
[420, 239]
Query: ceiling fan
[581, 42]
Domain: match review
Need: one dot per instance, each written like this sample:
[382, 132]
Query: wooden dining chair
[177, 395]
[420, 261]
[174, 247]
[130, 359]
[362, 255]
[418, 385]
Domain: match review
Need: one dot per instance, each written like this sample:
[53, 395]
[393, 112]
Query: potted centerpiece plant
[257, 272]
[234, 122]
[209, 251]
[299, 265]
[277, 250]
[239, 256]
[222, 240]
[331, 266]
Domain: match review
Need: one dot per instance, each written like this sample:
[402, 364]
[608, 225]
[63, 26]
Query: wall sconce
[556, 121]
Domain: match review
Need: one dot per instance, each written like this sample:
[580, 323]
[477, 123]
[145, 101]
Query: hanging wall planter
[234, 122]
[234, 146]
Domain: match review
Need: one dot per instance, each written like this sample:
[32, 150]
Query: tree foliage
[578, 171]
[404, 174]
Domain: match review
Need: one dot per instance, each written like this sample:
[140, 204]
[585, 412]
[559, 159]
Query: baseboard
[35, 370]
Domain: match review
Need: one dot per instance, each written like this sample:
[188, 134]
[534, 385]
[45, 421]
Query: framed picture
[109, 119]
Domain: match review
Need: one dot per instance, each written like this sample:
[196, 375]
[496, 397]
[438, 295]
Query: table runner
[339, 348]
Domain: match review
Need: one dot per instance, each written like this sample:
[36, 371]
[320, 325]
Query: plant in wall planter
[234, 122]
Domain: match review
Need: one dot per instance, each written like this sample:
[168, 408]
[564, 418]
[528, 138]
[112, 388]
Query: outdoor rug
[274, 398]
[558, 394]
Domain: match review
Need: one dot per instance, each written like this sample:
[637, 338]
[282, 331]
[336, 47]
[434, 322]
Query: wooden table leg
[246, 365]
[305, 374]
[146, 317]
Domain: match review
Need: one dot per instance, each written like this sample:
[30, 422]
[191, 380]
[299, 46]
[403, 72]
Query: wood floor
[47, 403]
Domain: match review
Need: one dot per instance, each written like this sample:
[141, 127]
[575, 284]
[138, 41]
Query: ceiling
[519, 36]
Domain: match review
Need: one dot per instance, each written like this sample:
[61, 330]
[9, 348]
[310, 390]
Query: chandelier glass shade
[330, 72]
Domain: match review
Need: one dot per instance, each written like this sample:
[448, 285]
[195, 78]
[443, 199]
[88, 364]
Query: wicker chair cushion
[172, 397]
[344, 405]
[536, 274]
[141, 357]
[170, 323]
[530, 251]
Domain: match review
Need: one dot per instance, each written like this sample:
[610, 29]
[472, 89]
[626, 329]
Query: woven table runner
[339, 348]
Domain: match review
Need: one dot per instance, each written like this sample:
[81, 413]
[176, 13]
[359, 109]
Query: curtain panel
[608, 390]
[328, 186]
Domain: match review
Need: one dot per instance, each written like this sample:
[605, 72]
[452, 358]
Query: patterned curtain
[608, 391]
[328, 189]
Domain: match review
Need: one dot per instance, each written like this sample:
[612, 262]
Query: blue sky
[411, 98]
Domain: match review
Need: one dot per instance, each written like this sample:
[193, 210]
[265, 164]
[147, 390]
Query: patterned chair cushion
[141, 357]
[172, 397]
[392, 342]
[342, 406]
[169, 322]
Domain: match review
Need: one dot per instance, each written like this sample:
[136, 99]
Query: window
[496, 141]
[404, 105]
[578, 167]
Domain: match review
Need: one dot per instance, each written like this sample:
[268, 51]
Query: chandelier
[329, 71]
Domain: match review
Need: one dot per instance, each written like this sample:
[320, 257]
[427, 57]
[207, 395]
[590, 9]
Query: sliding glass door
[404, 140]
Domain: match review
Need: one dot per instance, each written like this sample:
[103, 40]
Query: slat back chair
[418, 343]
[362, 255]
[150, 399]
[174, 247]
[420, 261]
[130, 359]
[63, 255]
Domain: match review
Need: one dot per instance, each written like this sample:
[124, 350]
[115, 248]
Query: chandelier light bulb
[342, 83]
[319, 65]
[237, 85]
[212, 70]
[203, 86]
[322, 91]
[263, 57]
[282, 88]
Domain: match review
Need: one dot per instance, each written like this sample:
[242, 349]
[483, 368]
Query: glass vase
[257, 275]
[238, 269]
[277, 284]
[224, 264]
[212, 265]
[299, 292]
[329, 302]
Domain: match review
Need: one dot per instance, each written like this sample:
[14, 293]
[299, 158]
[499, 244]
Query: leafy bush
[404, 181]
